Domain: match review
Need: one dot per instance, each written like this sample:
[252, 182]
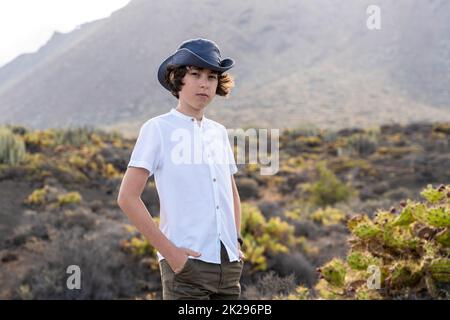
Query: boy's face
[199, 87]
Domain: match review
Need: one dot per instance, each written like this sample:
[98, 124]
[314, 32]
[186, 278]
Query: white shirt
[192, 162]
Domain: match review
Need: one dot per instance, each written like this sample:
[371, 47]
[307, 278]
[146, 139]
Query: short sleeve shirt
[192, 162]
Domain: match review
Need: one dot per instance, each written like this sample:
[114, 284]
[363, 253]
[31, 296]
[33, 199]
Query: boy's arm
[129, 200]
[237, 211]
[237, 206]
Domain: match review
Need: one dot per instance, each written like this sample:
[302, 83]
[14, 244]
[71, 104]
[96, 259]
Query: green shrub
[263, 237]
[328, 189]
[248, 188]
[53, 197]
[74, 136]
[328, 216]
[361, 144]
[139, 246]
[39, 140]
[70, 197]
[38, 196]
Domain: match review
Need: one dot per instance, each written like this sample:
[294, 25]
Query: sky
[26, 25]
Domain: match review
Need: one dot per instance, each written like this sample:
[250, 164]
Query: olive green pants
[202, 280]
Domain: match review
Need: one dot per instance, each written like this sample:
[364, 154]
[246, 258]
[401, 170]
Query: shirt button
[192, 119]
[217, 207]
[214, 179]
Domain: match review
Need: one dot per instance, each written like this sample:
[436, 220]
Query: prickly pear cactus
[334, 272]
[439, 217]
[440, 269]
[443, 237]
[361, 260]
[398, 254]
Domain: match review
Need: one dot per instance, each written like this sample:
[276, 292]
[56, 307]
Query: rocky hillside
[297, 62]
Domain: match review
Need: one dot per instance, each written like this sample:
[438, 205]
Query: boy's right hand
[180, 258]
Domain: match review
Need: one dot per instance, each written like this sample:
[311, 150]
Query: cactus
[384, 219]
[439, 217]
[443, 237]
[432, 195]
[12, 147]
[399, 238]
[366, 230]
[404, 273]
[419, 212]
[440, 269]
[367, 294]
[410, 251]
[405, 217]
[359, 260]
[327, 291]
[334, 272]
[356, 220]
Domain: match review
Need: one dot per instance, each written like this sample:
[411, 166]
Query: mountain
[298, 63]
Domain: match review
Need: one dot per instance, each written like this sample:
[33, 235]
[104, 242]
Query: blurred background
[364, 147]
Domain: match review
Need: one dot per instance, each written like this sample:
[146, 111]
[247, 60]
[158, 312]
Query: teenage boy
[198, 240]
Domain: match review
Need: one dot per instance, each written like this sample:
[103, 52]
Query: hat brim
[185, 57]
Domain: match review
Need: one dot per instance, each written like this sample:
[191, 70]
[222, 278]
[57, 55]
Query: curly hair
[175, 74]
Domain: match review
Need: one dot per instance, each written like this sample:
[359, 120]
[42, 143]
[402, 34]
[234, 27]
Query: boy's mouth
[202, 95]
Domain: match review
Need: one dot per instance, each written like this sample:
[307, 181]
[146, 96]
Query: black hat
[201, 53]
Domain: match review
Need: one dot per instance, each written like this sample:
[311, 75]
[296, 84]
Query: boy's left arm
[237, 212]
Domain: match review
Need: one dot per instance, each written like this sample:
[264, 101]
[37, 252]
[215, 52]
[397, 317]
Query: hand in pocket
[180, 259]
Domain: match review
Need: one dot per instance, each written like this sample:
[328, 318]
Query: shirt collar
[178, 114]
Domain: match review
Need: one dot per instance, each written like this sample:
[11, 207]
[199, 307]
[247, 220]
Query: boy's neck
[189, 111]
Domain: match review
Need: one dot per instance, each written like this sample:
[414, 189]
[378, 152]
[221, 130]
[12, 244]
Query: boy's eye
[194, 73]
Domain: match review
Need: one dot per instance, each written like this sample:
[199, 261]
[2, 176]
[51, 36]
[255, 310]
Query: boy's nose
[203, 82]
